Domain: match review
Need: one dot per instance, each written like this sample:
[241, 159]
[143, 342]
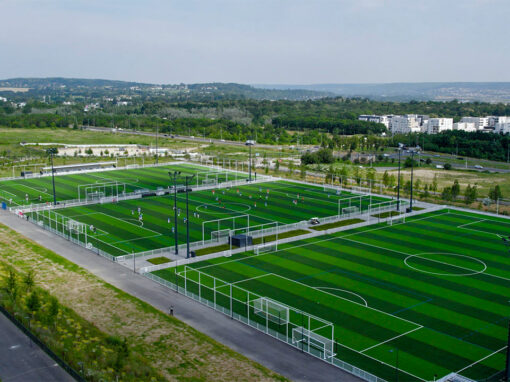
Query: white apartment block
[438, 125]
[480, 122]
[384, 119]
[410, 123]
[493, 121]
[465, 126]
[502, 127]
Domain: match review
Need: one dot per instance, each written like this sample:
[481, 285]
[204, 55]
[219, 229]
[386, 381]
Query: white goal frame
[397, 219]
[265, 248]
[271, 310]
[219, 235]
[310, 339]
[100, 190]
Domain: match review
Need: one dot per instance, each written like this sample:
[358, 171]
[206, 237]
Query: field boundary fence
[316, 334]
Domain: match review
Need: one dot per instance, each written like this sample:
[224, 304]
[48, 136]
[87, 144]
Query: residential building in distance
[404, 124]
[479, 122]
[384, 119]
[438, 125]
[502, 127]
[465, 126]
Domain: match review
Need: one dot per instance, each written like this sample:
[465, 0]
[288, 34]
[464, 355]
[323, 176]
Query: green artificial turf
[435, 290]
[159, 260]
[118, 230]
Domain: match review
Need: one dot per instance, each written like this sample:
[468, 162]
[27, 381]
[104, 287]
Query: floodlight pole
[188, 179]
[174, 174]
[412, 168]
[157, 134]
[51, 151]
[249, 166]
[398, 178]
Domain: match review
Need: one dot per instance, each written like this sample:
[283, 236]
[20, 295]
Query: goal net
[221, 235]
[75, 227]
[271, 310]
[350, 210]
[397, 219]
[361, 190]
[99, 191]
[313, 342]
[209, 182]
[265, 248]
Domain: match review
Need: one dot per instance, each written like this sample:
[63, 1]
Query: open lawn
[430, 296]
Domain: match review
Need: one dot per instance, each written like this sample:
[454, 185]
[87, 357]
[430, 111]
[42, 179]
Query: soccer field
[68, 187]
[120, 231]
[413, 301]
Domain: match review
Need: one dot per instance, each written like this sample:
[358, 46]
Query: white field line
[7, 192]
[344, 290]
[382, 362]
[353, 302]
[234, 211]
[138, 238]
[35, 189]
[314, 242]
[477, 221]
[488, 219]
[111, 245]
[124, 221]
[435, 261]
[340, 344]
[252, 278]
[482, 359]
[391, 339]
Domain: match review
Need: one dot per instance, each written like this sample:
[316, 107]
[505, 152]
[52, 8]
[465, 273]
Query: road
[21, 360]
[261, 348]
[180, 137]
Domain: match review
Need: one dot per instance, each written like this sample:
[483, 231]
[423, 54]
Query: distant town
[415, 123]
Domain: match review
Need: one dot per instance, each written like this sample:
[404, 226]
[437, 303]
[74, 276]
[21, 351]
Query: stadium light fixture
[413, 152]
[174, 174]
[52, 151]
[399, 149]
[188, 178]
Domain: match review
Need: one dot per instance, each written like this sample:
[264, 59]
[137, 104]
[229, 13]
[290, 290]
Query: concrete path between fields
[259, 347]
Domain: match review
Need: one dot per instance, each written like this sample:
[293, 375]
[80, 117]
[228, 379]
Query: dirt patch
[177, 350]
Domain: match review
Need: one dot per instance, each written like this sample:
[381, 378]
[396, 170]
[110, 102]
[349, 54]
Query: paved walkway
[21, 360]
[261, 348]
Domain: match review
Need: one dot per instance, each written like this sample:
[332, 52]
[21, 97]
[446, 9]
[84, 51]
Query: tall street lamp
[52, 151]
[249, 143]
[176, 239]
[188, 179]
[413, 152]
[400, 147]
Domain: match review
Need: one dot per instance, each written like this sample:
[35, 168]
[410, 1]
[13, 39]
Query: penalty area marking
[346, 291]
[206, 210]
[470, 273]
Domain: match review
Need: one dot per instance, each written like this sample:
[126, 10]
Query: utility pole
[413, 151]
[176, 237]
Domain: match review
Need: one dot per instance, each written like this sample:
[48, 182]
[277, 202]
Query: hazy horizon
[285, 42]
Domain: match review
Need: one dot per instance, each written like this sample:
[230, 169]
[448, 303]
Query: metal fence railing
[220, 296]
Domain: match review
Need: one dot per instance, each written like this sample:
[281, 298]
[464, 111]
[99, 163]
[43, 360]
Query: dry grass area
[177, 350]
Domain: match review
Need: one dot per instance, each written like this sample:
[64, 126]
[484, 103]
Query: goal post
[97, 191]
[271, 310]
[221, 235]
[315, 342]
[265, 248]
[396, 219]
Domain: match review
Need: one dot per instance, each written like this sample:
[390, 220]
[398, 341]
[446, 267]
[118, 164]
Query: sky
[257, 41]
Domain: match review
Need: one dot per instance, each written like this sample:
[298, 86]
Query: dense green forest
[233, 112]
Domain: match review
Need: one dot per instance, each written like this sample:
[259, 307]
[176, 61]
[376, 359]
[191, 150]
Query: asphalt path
[21, 360]
[255, 345]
